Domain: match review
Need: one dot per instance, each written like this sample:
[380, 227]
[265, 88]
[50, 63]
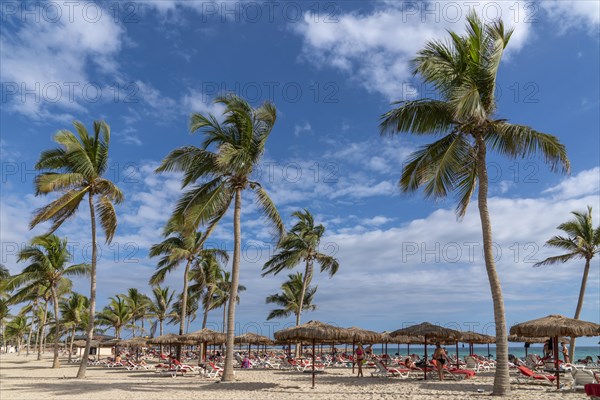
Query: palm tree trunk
[42, 329]
[184, 299]
[307, 276]
[235, 277]
[586, 271]
[224, 317]
[33, 307]
[160, 325]
[133, 327]
[90, 330]
[71, 344]
[55, 361]
[501, 377]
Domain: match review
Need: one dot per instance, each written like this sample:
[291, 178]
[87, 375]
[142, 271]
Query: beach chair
[476, 365]
[582, 377]
[383, 371]
[526, 375]
[285, 364]
[213, 371]
[458, 376]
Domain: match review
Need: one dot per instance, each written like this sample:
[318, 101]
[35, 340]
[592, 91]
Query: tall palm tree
[220, 176]
[4, 309]
[75, 170]
[206, 274]
[74, 312]
[48, 257]
[116, 314]
[4, 274]
[191, 309]
[582, 242]
[301, 244]
[222, 293]
[184, 246]
[160, 306]
[139, 304]
[463, 71]
[290, 297]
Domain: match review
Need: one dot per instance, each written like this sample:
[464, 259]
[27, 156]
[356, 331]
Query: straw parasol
[169, 338]
[429, 332]
[313, 331]
[555, 326]
[529, 340]
[134, 342]
[358, 335]
[250, 339]
[205, 336]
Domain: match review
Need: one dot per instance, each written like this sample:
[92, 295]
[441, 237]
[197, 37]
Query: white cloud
[51, 59]
[374, 48]
[584, 183]
[576, 14]
[305, 127]
[129, 136]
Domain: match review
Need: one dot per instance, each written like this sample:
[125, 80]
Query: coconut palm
[220, 176]
[75, 170]
[184, 246]
[206, 275]
[4, 315]
[48, 257]
[74, 312]
[222, 292]
[116, 314]
[191, 309]
[160, 307]
[289, 298]
[301, 244]
[139, 304]
[582, 242]
[4, 274]
[463, 71]
[16, 329]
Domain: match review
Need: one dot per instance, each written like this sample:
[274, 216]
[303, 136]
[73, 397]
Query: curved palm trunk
[33, 308]
[90, 330]
[307, 276]
[42, 329]
[55, 361]
[501, 377]
[160, 325]
[235, 275]
[184, 298]
[71, 344]
[586, 271]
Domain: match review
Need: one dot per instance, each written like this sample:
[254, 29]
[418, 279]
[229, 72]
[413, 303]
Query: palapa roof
[541, 339]
[359, 335]
[205, 336]
[474, 337]
[402, 339]
[169, 338]
[556, 325]
[138, 341]
[252, 338]
[312, 330]
[429, 330]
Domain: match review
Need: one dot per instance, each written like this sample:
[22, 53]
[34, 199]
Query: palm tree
[222, 176]
[290, 297]
[191, 309]
[139, 304]
[301, 244]
[222, 293]
[582, 242]
[4, 275]
[206, 274]
[48, 256]
[463, 71]
[160, 307]
[4, 315]
[184, 246]
[116, 314]
[74, 313]
[17, 328]
[75, 170]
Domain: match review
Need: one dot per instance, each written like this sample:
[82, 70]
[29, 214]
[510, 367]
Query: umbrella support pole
[353, 357]
[313, 364]
[556, 362]
[425, 368]
[457, 357]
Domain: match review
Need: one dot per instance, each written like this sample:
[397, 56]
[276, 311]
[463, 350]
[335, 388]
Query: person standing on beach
[565, 351]
[360, 356]
[440, 357]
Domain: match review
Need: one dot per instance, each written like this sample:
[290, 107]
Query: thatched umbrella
[313, 331]
[169, 338]
[528, 340]
[429, 332]
[138, 341]
[205, 336]
[472, 338]
[358, 335]
[555, 326]
[250, 339]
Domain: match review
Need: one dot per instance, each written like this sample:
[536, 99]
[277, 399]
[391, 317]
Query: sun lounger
[526, 375]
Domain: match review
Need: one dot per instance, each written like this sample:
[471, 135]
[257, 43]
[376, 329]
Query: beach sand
[24, 378]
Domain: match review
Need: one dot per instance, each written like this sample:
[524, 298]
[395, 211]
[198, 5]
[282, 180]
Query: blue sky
[331, 69]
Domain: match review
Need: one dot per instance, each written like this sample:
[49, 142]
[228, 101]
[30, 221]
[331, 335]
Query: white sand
[23, 378]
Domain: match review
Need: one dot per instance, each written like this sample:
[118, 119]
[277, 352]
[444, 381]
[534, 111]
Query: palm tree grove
[435, 222]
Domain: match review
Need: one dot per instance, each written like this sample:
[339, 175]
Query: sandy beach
[25, 378]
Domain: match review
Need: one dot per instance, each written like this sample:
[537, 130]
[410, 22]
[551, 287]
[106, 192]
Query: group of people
[549, 350]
